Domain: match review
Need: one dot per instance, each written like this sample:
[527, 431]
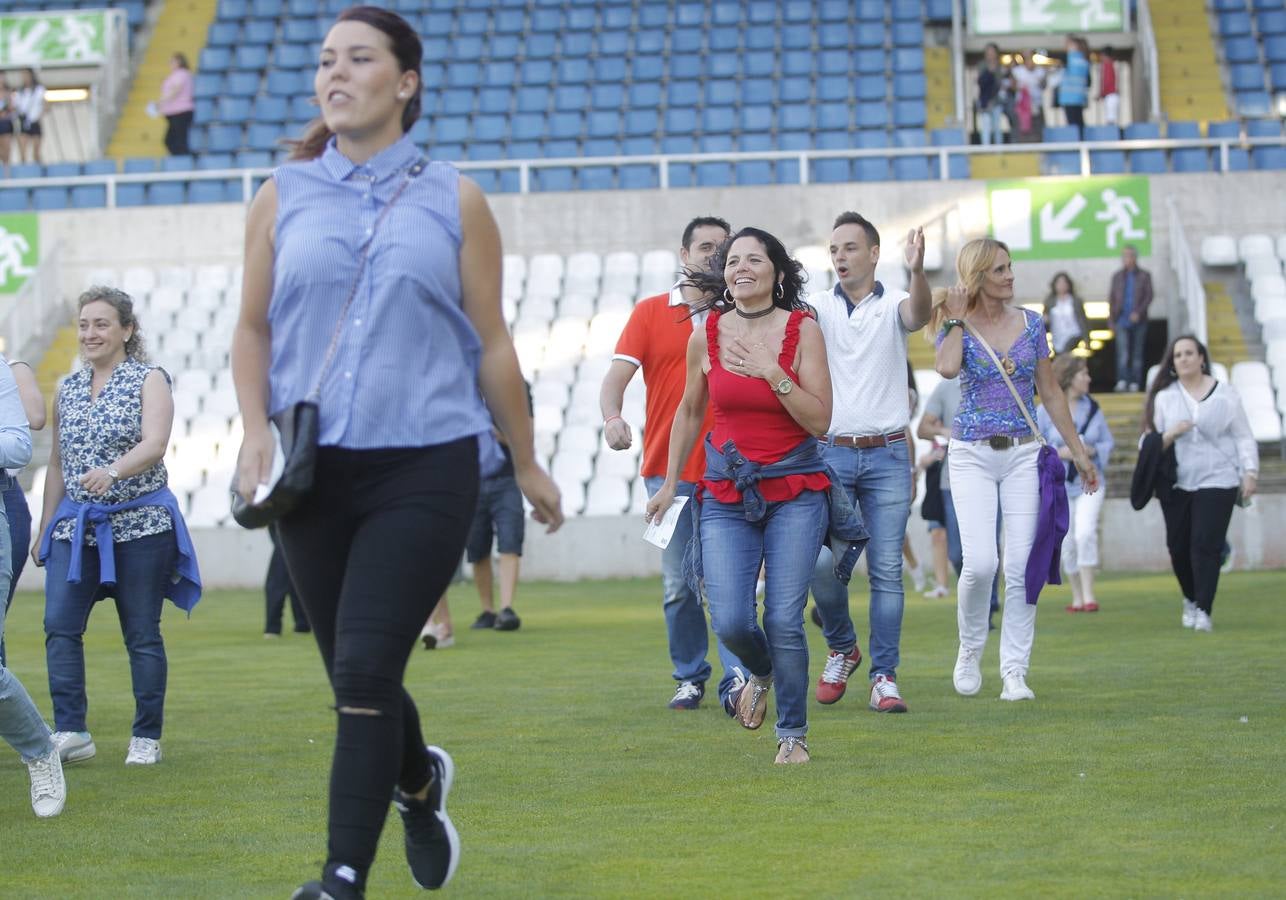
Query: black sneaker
[335, 885]
[688, 695]
[507, 620]
[432, 843]
[486, 619]
[734, 692]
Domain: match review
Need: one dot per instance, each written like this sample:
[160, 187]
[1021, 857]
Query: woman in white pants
[1080, 547]
[993, 453]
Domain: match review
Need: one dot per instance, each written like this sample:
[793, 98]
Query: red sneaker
[1091, 607]
[834, 680]
[885, 696]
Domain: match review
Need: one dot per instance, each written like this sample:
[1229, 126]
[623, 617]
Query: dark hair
[181, 58]
[712, 283]
[852, 218]
[1167, 376]
[124, 306]
[703, 222]
[408, 50]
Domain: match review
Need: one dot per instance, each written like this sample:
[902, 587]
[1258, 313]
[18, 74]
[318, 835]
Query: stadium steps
[920, 352]
[1005, 165]
[1190, 88]
[1224, 336]
[1123, 412]
[181, 28]
[939, 98]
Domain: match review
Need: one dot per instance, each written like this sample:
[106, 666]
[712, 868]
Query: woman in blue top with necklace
[406, 346]
[993, 454]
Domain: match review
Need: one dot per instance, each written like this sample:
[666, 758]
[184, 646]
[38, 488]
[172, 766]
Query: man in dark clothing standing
[1130, 296]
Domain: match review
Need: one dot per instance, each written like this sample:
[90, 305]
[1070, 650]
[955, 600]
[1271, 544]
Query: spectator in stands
[1029, 99]
[176, 103]
[1080, 546]
[1065, 318]
[1073, 87]
[1217, 462]
[1107, 86]
[499, 522]
[277, 586]
[760, 363]
[106, 490]
[1129, 296]
[993, 453]
[8, 111]
[16, 509]
[21, 725]
[375, 542]
[868, 446]
[991, 83]
[30, 104]
[655, 339]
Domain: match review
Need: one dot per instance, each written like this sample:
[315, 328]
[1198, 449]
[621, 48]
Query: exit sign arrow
[1055, 226]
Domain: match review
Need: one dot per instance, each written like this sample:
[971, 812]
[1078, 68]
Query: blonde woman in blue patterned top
[376, 541]
[110, 524]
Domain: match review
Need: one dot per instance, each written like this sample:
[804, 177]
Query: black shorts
[6, 126]
[499, 516]
[31, 128]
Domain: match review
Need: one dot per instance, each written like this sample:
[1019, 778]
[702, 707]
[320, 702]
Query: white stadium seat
[1281, 247]
[620, 273]
[1263, 265]
[214, 276]
[577, 305]
[138, 280]
[178, 278]
[571, 466]
[1219, 250]
[211, 507]
[1249, 245]
[581, 440]
[1275, 329]
[620, 463]
[583, 272]
[658, 272]
[638, 496]
[816, 261]
[607, 496]
[513, 275]
[545, 274]
[102, 277]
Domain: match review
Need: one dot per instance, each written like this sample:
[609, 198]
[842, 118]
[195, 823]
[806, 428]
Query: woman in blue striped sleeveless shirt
[375, 543]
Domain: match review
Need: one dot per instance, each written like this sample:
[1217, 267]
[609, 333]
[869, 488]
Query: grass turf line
[1133, 773]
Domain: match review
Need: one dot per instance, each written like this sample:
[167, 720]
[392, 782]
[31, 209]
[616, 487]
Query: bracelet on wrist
[952, 323]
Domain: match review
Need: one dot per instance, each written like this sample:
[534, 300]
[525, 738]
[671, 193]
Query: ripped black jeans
[371, 550]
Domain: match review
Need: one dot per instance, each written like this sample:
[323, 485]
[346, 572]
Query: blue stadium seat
[177, 164]
[871, 140]
[537, 72]
[872, 89]
[609, 44]
[646, 68]
[250, 58]
[640, 122]
[1238, 160]
[1247, 77]
[215, 161]
[574, 71]
[233, 10]
[870, 62]
[1183, 130]
[432, 76]
[601, 146]
[263, 136]
[267, 9]
[450, 129]
[797, 62]
[485, 151]
[1241, 50]
[1142, 131]
[243, 84]
[831, 171]
[762, 40]
[714, 174]
[214, 59]
[129, 195]
[909, 86]
[1259, 5]
[166, 193]
[469, 74]
[603, 124]
[758, 171]
[834, 63]
[678, 143]
[88, 196]
[523, 149]
[1268, 157]
[871, 168]
[301, 31]
[937, 10]
[1264, 128]
[223, 34]
[684, 44]
[908, 114]
[494, 100]
[1228, 5]
[721, 92]
[913, 168]
[755, 142]
[540, 46]
[566, 125]
[639, 146]
[872, 115]
[716, 143]
[910, 137]
[756, 118]
[533, 99]
[1271, 22]
[1226, 129]
[873, 36]
[796, 117]
[1254, 103]
[207, 85]
[757, 65]
[213, 191]
[62, 170]
[50, 198]
[645, 96]
[1064, 162]
[453, 102]
[833, 140]
[499, 73]
[233, 110]
[1101, 133]
[831, 116]
[947, 137]
[100, 167]
[1056, 134]
[291, 56]
[252, 159]
[259, 32]
[639, 177]
[723, 43]
[718, 119]
[571, 97]
[1277, 75]
[680, 120]
[1151, 162]
[15, 199]
[1190, 159]
[908, 34]
[136, 164]
[607, 96]
[553, 179]
[1107, 162]
[831, 90]
[223, 138]
[794, 89]
[906, 10]
[1234, 24]
[906, 59]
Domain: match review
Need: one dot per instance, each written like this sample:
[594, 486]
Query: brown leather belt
[866, 441]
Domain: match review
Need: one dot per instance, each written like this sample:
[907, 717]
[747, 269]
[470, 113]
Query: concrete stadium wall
[597, 547]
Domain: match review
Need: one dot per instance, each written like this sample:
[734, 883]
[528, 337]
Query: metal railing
[942, 156]
[1187, 274]
[1148, 51]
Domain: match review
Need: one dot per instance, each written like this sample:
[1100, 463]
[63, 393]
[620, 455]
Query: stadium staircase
[1224, 335]
[181, 28]
[1191, 88]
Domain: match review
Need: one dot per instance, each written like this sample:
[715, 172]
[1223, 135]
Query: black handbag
[299, 425]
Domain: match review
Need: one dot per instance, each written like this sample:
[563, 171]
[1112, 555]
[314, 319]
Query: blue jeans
[786, 541]
[1130, 343]
[989, 124]
[685, 621]
[19, 528]
[955, 552]
[143, 568]
[20, 722]
[878, 481]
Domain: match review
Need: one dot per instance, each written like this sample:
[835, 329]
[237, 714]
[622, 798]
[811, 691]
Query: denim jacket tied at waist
[847, 533]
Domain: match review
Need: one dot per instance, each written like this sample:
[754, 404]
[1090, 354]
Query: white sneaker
[1016, 688]
[48, 787]
[918, 579]
[73, 746]
[1189, 613]
[938, 591]
[967, 677]
[143, 752]
[1201, 621]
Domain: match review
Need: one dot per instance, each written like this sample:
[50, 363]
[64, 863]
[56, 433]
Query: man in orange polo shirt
[656, 340]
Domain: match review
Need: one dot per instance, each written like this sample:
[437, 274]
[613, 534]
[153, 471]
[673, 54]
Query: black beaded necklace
[755, 315]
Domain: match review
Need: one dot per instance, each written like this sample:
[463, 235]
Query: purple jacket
[1051, 524]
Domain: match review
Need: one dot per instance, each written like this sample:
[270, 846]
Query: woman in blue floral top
[110, 525]
[993, 454]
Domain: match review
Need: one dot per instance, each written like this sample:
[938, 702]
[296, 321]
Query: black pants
[1075, 116]
[371, 550]
[176, 133]
[1196, 523]
[277, 586]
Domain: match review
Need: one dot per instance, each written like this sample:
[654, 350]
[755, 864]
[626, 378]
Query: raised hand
[915, 250]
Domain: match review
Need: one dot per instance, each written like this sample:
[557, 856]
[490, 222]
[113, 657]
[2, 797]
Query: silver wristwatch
[783, 387]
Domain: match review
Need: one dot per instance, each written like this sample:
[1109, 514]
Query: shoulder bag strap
[1022, 407]
[315, 394]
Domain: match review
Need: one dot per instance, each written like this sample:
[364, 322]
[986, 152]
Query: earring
[1172, 373]
[727, 296]
[779, 292]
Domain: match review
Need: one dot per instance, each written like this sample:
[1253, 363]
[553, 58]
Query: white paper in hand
[659, 533]
[152, 111]
[263, 491]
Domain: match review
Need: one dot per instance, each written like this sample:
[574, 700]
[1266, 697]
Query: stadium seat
[1065, 162]
[1058, 134]
[912, 168]
[1234, 24]
[1107, 162]
[1253, 103]
[871, 168]
[166, 193]
[1219, 250]
[1190, 159]
[1264, 128]
[1241, 50]
[1179, 130]
[1150, 162]
[1268, 157]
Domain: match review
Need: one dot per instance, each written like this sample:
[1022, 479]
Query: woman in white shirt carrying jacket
[1218, 466]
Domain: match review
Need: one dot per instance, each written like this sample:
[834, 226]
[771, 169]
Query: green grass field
[1152, 763]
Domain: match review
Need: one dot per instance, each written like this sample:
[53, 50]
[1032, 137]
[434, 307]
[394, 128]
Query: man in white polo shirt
[866, 329]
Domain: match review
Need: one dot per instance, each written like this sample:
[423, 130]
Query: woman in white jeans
[993, 453]
[1080, 547]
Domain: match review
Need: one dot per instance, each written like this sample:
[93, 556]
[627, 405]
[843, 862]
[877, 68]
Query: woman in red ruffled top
[761, 362]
